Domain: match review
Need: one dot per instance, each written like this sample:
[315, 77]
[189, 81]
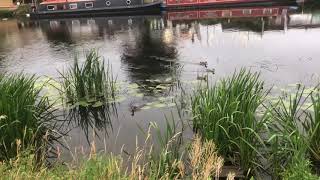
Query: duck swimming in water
[204, 63]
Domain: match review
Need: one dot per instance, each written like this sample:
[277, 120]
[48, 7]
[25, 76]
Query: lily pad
[171, 104]
[159, 105]
[83, 103]
[169, 79]
[133, 86]
[97, 104]
[146, 107]
[138, 95]
[161, 87]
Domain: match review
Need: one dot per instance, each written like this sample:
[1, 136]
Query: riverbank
[16, 12]
[6, 13]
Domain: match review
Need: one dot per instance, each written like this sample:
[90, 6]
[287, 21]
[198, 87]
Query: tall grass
[226, 114]
[89, 83]
[203, 163]
[27, 118]
[312, 126]
[292, 134]
[89, 89]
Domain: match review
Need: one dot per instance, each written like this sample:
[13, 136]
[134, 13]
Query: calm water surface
[284, 46]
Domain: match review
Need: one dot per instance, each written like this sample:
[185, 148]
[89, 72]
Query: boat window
[247, 11]
[51, 7]
[108, 3]
[73, 6]
[89, 5]
[267, 11]
[226, 13]
[128, 2]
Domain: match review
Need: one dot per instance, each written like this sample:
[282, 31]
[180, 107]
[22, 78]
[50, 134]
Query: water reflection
[92, 119]
[151, 54]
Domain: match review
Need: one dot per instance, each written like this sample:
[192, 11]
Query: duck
[202, 78]
[212, 70]
[134, 108]
[204, 63]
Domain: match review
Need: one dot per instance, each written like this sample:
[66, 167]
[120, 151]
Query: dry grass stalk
[204, 160]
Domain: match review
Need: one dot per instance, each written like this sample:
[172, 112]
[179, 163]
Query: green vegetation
[27, 119]
[204, 161]
[22, 10]
[4, 13]
[226, 113]
[236, 124]
[286, 140]
[312, 126]
[89, 84]
[280, 138]
[89, 91]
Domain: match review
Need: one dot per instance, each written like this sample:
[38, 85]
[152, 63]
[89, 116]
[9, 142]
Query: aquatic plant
[312, 126]
[226, 114]
[299, 167]
[89, 91]
[89, 84]
[288, 144]
[27, 119]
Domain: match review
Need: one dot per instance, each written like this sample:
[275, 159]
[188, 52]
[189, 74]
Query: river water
[281, 42]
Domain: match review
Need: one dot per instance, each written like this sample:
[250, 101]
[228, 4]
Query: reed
[90, 83]
[312, 126]
[226, 114]
[89, 91]
[288, 141]
[27, 119]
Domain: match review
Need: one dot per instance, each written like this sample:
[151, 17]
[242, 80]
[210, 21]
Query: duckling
[213, 71]
[202, 78]
[203, 63]
[134, 108]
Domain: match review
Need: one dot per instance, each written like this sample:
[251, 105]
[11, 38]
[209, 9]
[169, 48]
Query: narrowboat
[194, 4]
[72, 8]
[217, 13]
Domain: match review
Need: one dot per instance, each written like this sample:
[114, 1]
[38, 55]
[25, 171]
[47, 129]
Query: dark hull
[149, 9]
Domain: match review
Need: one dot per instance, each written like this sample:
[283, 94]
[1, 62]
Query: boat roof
[63, 1]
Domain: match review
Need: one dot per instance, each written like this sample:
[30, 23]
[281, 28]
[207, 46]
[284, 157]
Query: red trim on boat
[206, 2]
[225, 13]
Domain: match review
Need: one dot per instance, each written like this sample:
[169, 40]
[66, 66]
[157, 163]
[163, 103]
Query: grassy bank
[21, 11]
[235, 123]
[202, 162]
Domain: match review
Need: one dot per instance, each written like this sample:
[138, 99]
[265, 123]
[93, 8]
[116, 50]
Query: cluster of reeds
[294, 134]
[90, 83]
[226, 114]
[27, 118]
[284, 139]
[90, 90]
[312, 126]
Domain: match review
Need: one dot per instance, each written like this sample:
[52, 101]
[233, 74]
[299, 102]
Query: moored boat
[71, 8]
[243, 12]
[193, 4]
